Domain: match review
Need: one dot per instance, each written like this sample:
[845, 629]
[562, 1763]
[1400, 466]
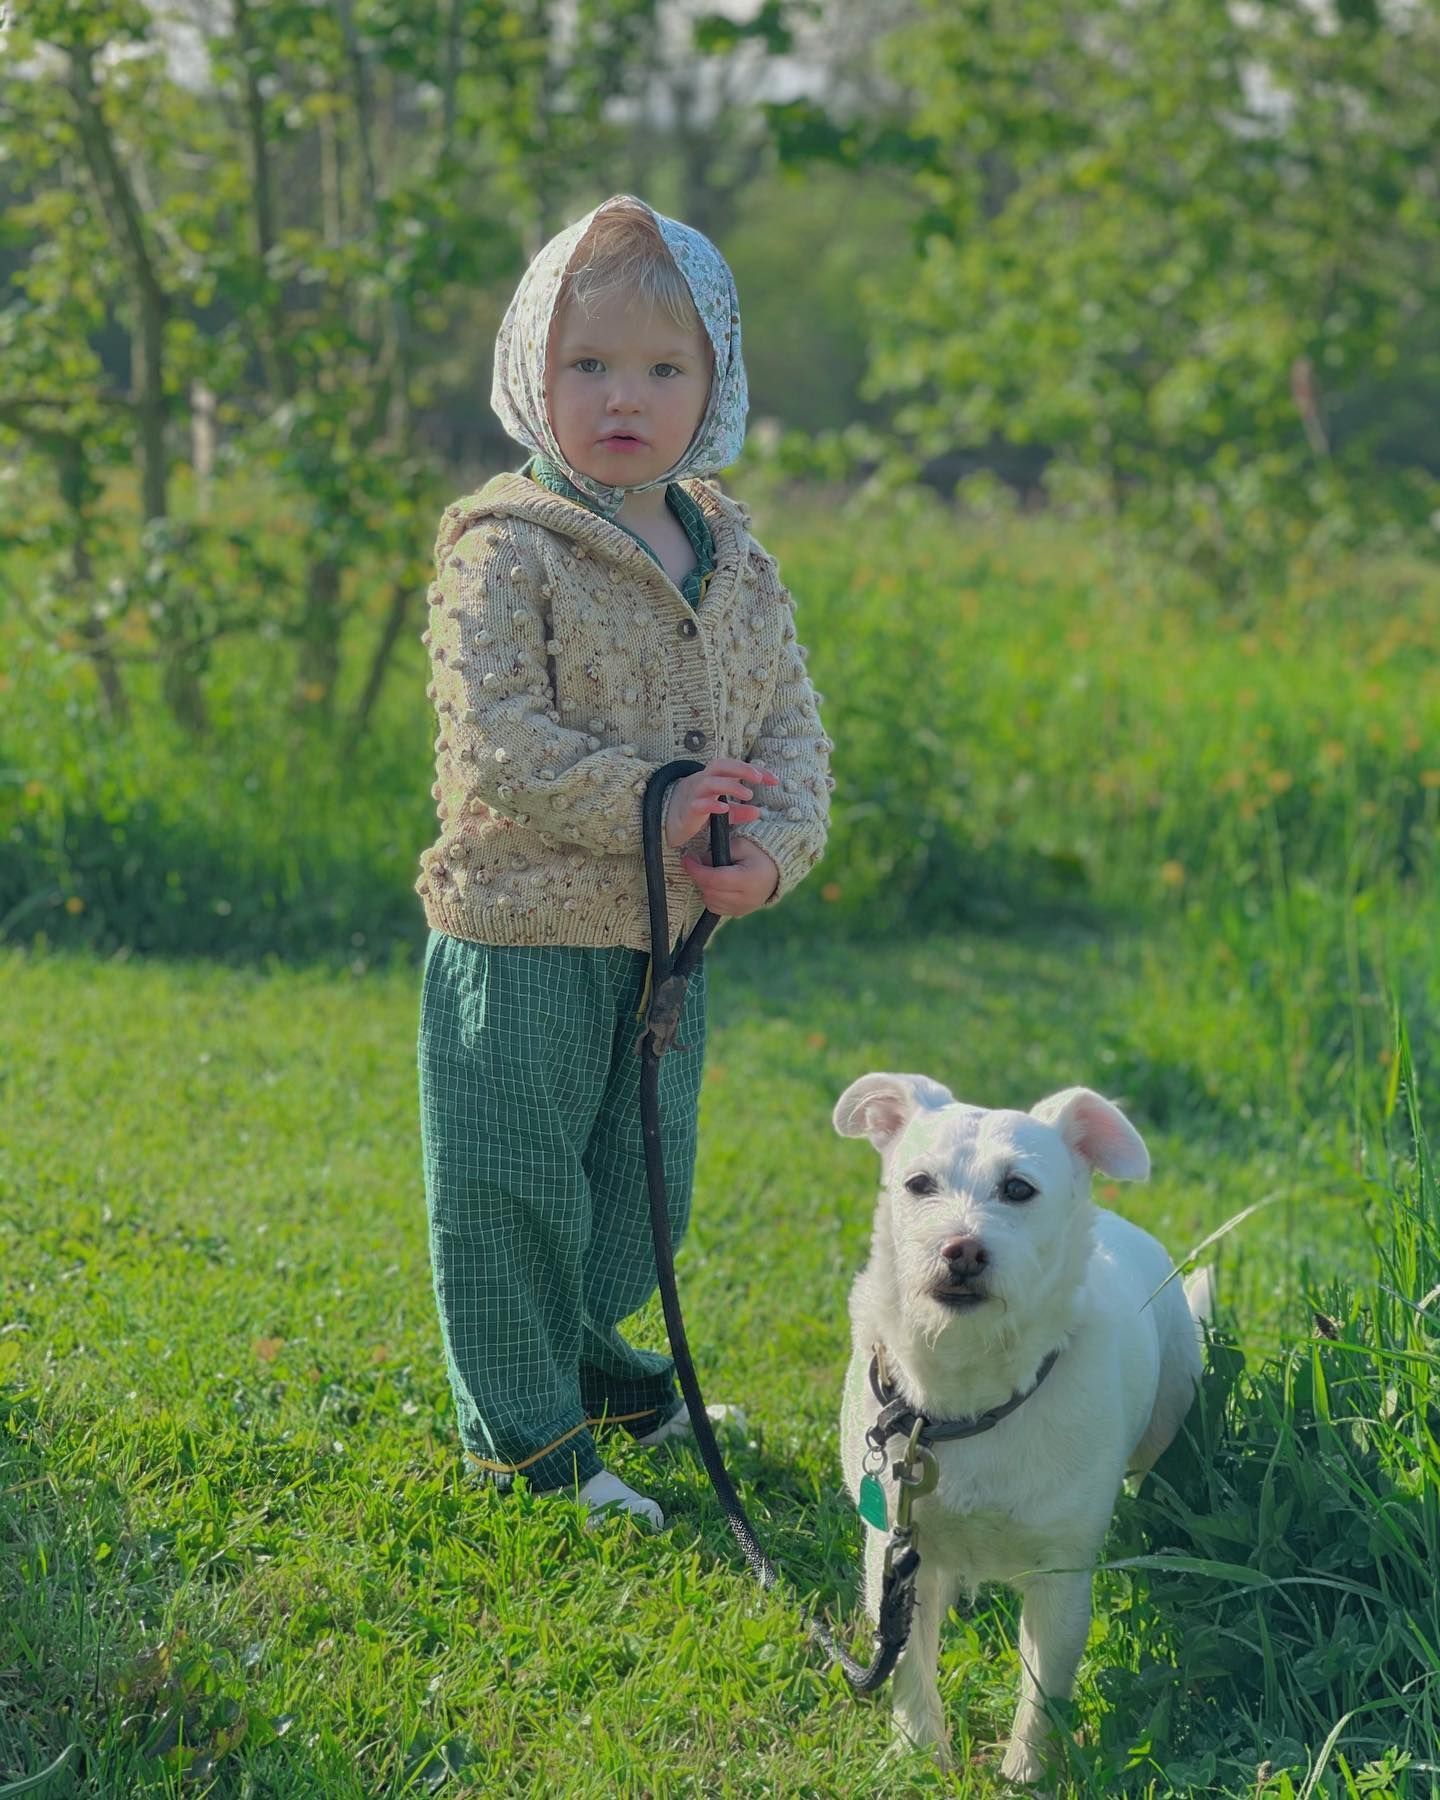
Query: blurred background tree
[1188, 255]
[1176, 266]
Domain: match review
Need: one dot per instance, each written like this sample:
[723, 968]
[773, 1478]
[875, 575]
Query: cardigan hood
[517, 496]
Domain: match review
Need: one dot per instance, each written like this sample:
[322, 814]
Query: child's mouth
[622, 440]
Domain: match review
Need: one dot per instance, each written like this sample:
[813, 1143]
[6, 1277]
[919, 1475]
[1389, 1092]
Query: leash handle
[720, 838]
[684, 958]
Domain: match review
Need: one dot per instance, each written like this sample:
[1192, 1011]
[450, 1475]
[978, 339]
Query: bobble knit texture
[566, 668]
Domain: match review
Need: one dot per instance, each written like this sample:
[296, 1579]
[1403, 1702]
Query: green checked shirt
[692, 522]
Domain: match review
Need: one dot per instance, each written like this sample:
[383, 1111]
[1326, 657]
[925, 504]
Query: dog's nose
[965, 1255]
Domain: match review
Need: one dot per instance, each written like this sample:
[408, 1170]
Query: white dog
[991, 1270]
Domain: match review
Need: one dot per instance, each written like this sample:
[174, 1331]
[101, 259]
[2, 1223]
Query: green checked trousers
[535, 1187]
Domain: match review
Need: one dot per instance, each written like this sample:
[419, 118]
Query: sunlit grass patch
[228, 1431]
[1086, 831]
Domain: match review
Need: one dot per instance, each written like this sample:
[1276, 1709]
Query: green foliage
[834, 236]
[237, 1545]
[154, 842]
[295, 230]
[1280, 771]
[1185, 248]
[770, 24]
[806, 132]
[1306, 1494]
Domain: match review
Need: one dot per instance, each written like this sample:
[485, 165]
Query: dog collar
[897, 1415]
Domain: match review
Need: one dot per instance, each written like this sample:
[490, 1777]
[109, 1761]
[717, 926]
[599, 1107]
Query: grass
[240, 1555]
[228, 1431]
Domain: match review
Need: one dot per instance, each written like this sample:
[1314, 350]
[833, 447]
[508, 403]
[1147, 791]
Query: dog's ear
[1097, 1130]
[881, 1106]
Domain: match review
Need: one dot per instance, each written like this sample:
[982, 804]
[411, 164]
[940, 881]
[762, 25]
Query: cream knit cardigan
[567, 667]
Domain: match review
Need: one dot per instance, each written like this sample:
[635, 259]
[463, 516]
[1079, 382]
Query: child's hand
[720, 787]
[742, 887]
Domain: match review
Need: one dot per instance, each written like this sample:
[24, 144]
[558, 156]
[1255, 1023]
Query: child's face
[626, 387]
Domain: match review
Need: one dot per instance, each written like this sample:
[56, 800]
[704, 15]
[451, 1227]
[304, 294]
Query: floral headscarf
[518, 393]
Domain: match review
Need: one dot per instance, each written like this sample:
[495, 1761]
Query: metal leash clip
[912, 1487]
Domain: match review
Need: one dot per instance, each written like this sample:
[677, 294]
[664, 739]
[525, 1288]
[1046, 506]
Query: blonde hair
[624, 252]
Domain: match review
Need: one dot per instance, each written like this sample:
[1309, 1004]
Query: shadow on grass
[89, 1672]
[1021, 1015]
[146, 885]
[813, 1537]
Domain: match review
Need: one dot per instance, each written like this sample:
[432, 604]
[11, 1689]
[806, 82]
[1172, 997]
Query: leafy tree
[292, 230]
[1181, 247]
[99, 244]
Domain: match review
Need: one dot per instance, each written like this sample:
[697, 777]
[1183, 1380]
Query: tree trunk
[450, 78]
[274, 355]
[76, 487]
[401, 602]
[202, 441]
[147, 343]
[113, 698]
[148, 364]
[390, 418]
[318, 663]
[180, 684]
[332, 222]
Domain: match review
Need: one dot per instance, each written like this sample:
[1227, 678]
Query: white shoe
[605, 1494]
[679, 1424]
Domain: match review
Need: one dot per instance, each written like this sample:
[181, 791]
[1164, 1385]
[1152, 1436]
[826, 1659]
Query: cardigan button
[694, 740]
[688, 628]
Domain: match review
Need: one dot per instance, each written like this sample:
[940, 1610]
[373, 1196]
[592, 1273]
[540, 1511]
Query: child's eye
[588, 365]
[666, 369]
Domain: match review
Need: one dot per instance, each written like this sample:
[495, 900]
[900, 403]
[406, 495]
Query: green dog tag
[872, 1502]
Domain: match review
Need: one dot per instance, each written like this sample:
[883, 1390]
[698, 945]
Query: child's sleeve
[498, 721]
[792, 744]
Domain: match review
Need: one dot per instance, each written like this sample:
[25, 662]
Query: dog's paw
[1025, 1765]
[921, 1733]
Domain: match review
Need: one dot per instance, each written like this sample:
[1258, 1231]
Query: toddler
[599, 613]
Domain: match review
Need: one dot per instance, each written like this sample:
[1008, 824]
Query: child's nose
[623, 394]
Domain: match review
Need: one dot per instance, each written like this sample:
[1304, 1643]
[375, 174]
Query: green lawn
[230, 1433]
[1089, 829]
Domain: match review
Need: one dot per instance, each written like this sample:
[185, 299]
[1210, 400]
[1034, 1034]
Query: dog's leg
[1054, 1623]
[918, 1716]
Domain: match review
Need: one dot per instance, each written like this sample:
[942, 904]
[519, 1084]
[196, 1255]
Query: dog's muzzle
[959, 1296]
[960, 1285]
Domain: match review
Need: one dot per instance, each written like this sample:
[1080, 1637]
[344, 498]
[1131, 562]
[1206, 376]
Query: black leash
[670, 976]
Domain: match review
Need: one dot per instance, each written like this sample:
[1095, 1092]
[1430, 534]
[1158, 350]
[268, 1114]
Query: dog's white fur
[1036, 1492]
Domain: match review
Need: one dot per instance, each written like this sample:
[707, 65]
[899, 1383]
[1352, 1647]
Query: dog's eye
[922, 1184]
[1017, 1188]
